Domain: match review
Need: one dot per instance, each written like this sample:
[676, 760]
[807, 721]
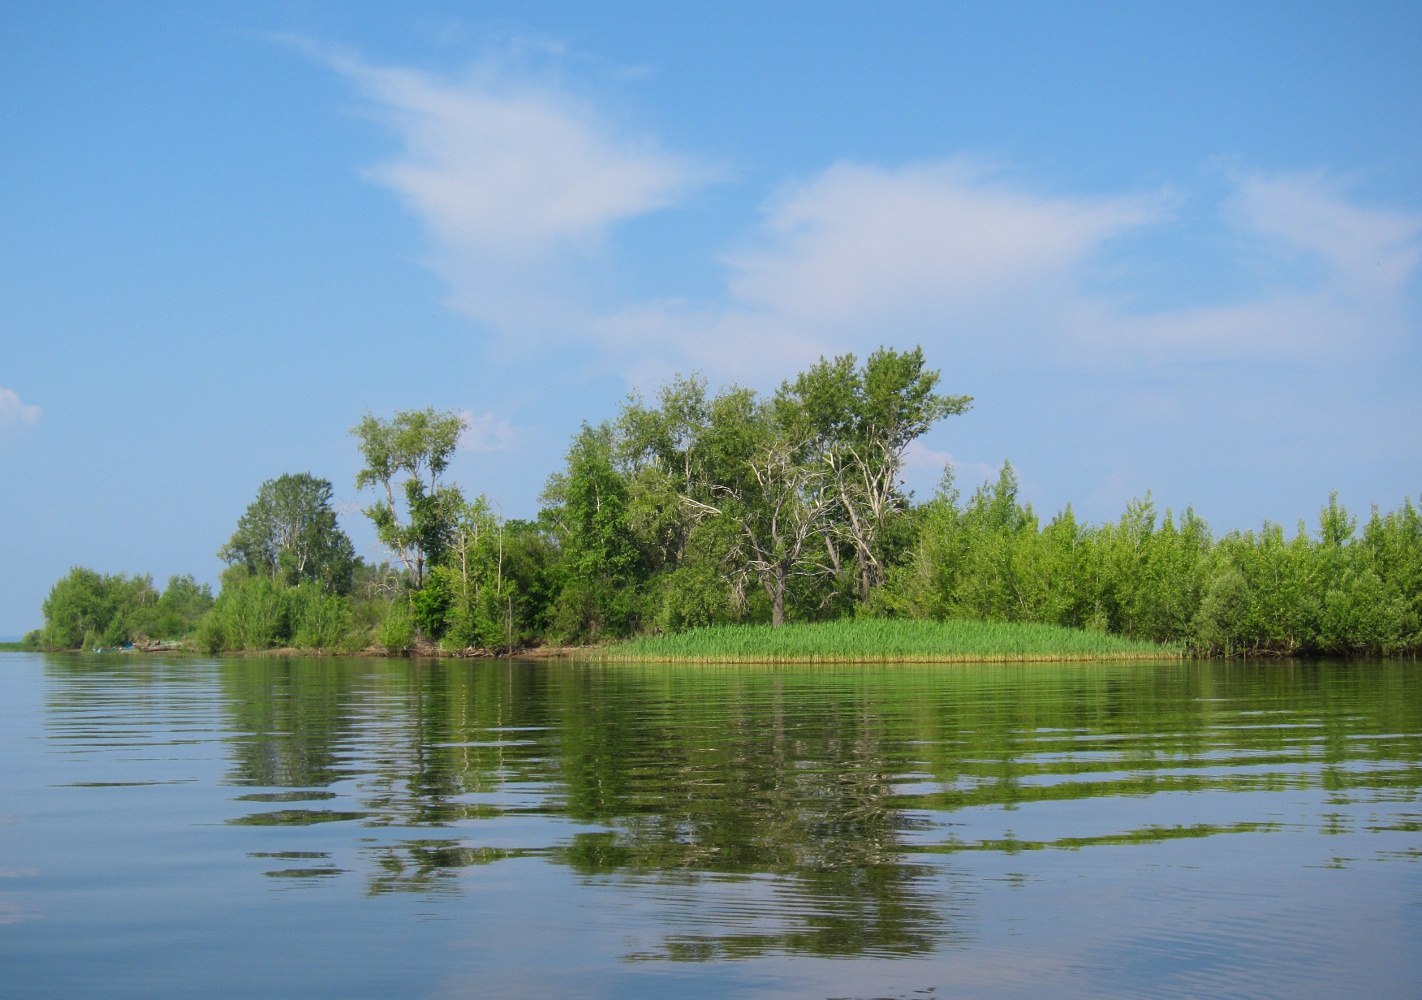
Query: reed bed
[884, 641]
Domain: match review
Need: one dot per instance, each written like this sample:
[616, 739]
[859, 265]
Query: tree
[602, 564]
[759, 480]
[289, 534]
[87, 609]
[406, 455]
[181, 607]
[860, 421]
[492, 578]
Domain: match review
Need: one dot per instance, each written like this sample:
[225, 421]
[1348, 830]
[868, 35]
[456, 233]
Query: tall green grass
[876, 640]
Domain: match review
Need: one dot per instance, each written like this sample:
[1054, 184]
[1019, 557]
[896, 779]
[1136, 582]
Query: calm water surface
[367, 828]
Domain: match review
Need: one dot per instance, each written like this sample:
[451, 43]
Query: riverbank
[418, 651]
[873, 640]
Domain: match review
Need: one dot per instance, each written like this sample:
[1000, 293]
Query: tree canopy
[405, 457]
[694, 508]
[289, 533]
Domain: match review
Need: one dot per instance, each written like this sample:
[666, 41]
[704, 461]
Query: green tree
[405, 457]
[774, 499]
[178, 611]
[289, 534]
[602, 565]
[860, 422]
[86, 609]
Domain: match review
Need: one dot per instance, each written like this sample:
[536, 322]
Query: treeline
[87, 610]
[696, 509]
[1340, 591]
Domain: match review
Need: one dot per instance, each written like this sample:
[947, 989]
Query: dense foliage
[737, 508]
[1168, 579]
[289, 535]
[704, 510]
[87, 610]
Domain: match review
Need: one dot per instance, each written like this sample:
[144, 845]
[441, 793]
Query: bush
[257, 616]
[1220, 621]
[692, 597]
[209, 635]
[86, 608]
[324, 619]
[430, 606]
[397, 631]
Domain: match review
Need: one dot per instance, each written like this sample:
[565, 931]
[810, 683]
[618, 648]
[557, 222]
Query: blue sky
[1167, 247]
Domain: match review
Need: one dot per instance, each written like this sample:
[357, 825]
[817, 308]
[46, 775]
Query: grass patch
[877, 640]
[12, 647]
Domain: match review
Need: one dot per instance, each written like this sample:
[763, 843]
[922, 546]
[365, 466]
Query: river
[232, 827]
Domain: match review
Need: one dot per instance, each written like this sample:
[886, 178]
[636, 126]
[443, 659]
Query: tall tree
[859, 422]
[406, 456]
[602, 563]
[759, 479]
[289, 534]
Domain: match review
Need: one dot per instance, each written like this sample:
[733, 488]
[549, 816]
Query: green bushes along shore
[696, 510]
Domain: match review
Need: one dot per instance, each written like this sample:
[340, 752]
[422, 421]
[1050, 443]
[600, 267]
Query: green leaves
[406, 456]
[1167, 579]
[798, 493]
[289, 534]
[417, 443]
[87, 609]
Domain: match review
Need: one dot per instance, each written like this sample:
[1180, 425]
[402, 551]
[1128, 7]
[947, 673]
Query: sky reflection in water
[371, 828]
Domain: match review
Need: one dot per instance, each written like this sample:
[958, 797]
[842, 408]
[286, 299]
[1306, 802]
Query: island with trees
[739, 525]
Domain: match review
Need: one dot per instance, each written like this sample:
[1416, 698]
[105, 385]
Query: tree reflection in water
[805, 811]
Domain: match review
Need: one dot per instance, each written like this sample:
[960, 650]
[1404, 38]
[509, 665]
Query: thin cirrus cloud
[1333, 282]
[940, 252]
[517, 184]
[921, 462]
[958, 258]
[487, 432]
[14, 410]
[858, 243]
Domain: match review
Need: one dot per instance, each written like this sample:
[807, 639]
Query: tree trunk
[777, 598]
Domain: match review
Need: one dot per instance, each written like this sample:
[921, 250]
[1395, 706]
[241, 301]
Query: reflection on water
[740, 813]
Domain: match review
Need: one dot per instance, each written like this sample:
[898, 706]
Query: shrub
[397, 631]
[323, 620]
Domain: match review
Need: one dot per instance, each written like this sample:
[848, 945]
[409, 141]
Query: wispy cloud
[519, 185]
[945, 252]
[1367, 251]
[517, 182]
[861, 244]
[13, 410]
[959, 259]
[1332, 282]
[487, 432]
[923, 464]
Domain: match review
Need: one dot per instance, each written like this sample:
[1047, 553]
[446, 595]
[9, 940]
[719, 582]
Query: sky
[1169, 248]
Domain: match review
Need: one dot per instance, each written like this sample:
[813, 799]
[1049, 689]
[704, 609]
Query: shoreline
[599, 655]
[604, 654]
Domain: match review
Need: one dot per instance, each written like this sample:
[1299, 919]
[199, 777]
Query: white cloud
[517, 183]
[14, 411]
[860, 244]
[862, 255]
[487, 432]
[1333, 284]
[961, 261]
[1367, 251]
